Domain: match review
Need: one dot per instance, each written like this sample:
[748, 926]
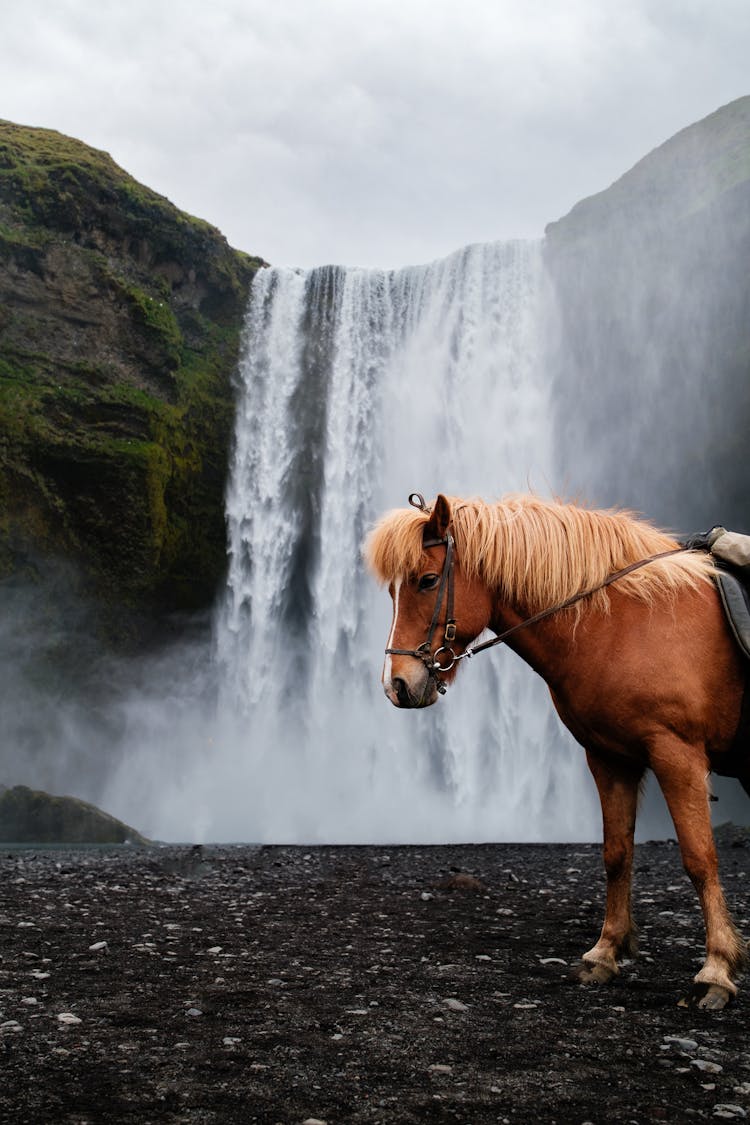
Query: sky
[372, 132]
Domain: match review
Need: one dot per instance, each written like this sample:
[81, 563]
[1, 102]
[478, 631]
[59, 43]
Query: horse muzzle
[422, 693]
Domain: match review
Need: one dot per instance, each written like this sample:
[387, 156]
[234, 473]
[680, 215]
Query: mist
[607, 364]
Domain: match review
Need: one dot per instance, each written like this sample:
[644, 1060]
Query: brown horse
[642, 670]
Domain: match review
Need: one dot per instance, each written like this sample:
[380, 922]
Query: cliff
[120, 321]
[652, 357]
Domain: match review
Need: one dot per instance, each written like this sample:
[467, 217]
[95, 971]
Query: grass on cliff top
[42, 172]
[30, 157]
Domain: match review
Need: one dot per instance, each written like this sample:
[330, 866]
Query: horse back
[644, 667]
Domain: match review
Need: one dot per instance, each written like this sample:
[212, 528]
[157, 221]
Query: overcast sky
[372, 132]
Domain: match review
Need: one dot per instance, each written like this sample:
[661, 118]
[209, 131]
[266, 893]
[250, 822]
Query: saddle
[731, 552]
[735, 598]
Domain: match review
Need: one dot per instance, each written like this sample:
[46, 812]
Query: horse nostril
[401, 690]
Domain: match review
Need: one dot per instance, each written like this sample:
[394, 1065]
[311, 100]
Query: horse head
[437, 609]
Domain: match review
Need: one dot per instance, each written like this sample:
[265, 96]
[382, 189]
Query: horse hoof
[592, 972]
[708, 997]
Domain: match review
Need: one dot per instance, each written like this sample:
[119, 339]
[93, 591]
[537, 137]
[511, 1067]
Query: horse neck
[546, 646]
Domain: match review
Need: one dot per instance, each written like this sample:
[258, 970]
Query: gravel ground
[354, 984]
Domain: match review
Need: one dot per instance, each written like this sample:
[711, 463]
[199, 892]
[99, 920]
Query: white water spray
[358, 388]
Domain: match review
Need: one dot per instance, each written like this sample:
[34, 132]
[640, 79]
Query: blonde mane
[536, 553]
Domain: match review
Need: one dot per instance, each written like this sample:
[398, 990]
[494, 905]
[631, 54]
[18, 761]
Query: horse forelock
[537, 552]
[393, 549]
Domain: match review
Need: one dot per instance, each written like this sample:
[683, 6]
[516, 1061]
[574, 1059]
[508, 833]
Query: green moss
[157, 316]
[116, 363]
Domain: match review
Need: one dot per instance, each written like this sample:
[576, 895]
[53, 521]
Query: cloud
[376, 133]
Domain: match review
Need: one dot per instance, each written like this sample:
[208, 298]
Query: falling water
[359, 387]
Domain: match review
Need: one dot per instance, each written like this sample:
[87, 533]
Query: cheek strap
[445, 591]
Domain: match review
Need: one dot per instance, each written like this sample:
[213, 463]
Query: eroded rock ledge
[120, 321]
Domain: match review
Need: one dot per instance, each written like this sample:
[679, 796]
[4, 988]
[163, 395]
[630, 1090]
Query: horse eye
[428, 581]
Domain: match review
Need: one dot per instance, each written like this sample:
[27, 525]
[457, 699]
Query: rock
[462, 881]
[32, 816]
[629, 258]
[120, 320]
[707, 1066]
[688, 1045]
[455, 1005]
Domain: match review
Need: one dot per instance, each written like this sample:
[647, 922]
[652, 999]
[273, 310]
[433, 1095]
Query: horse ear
[440, 518]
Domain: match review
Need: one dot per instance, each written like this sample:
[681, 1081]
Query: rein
[424, 651]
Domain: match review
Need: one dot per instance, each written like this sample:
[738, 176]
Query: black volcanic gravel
[354, 984]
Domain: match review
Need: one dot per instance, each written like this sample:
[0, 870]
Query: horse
[626, 628]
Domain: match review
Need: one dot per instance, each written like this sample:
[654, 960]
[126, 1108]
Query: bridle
[431, 660]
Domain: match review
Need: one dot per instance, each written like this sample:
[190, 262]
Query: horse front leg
[682, 773]
[618, 785]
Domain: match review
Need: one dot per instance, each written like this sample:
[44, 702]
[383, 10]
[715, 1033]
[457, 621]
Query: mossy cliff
[653, 289]
[120, 321]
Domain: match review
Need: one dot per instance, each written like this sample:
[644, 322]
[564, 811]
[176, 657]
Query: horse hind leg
[680, 769]
[618, 784]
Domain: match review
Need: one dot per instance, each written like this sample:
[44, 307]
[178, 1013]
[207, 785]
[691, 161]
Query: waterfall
[359, 387]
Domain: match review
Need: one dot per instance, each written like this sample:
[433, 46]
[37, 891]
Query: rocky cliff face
[652, 360]
[120, 321]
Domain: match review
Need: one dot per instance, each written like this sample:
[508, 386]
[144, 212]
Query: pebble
[727, 1110]
[98, 947]
[68, 1019]
[689, 1045]
[313, 1121]
[455, 1005]
[231, 1040]
[194, 1012]
[706, 1066]
[10, 1025]
[440, 1068]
